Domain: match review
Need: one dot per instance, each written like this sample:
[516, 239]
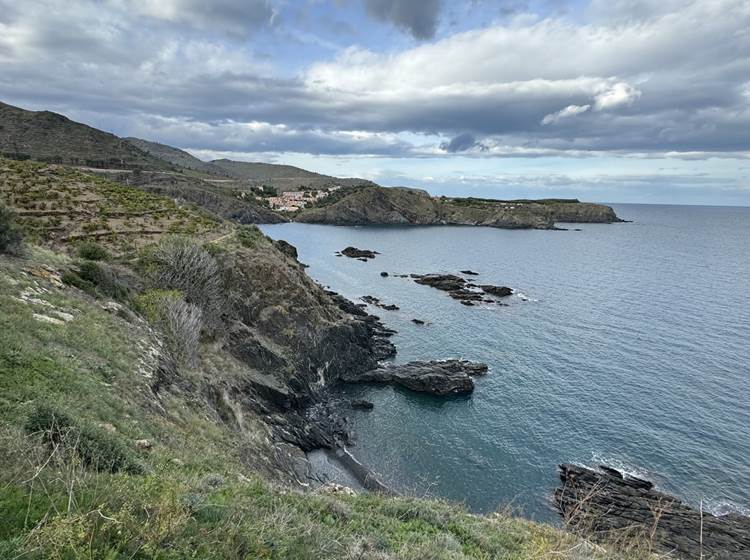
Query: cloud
[663, 81]
[233, 17]
[461, 143]
[617, 95]
[569, 111]
[418, 17]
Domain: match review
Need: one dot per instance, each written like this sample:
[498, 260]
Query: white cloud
[569, 111]
[617, 95]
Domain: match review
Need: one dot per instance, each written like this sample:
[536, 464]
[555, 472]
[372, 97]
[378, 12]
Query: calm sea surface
[625, 344]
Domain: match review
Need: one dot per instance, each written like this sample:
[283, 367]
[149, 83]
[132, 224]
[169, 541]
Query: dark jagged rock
[384, 274]
[469, 273]
[497, 291]
[372, 300]
[443, 282]
[459, 289]
[378, 334]
[417, 321]
[449, 377]
[606, 501]
[354, 253]
[361, 404]
[287, 248]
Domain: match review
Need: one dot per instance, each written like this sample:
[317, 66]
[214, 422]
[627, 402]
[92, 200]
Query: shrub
[11, 237]
[93, 277]
[94, 447]
[181, 264]
[93, 251]
[179, 321]
[249, 236]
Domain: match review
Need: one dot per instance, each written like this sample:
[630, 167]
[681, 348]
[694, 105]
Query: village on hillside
[292, 201]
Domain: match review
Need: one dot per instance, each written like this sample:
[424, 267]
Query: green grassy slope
[198, 473]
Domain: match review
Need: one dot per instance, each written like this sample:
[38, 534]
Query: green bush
[93, 251]
[249, 236]
[11, 237]
[93, 277]
[96, 448]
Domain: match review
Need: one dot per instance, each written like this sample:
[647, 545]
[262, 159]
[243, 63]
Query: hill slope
[177, 157]
[50, 137]
[283, 177]
[114, 448]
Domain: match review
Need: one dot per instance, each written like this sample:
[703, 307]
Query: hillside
[50, 137]
[177, 157]
[282, 177]
[129, 434]
[380, 205]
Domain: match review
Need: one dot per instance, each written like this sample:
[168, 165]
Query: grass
[196, 497]
[198, 490]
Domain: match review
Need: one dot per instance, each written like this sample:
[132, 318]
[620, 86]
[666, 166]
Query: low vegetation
[11, 237]
[100, 460]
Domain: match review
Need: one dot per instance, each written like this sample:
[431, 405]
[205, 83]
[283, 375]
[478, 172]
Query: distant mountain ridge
[53, 138]
[177, 157]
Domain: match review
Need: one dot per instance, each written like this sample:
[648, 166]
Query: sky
[606, 100]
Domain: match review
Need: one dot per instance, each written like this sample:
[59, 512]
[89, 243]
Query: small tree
[11, 237]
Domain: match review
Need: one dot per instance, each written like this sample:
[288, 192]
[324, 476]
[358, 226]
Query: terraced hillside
[58, 204]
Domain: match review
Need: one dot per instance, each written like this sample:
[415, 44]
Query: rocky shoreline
[608, 503]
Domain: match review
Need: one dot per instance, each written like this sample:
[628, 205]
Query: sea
[624, 344]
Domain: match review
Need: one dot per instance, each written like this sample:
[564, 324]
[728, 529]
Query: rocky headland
[611, 504]
[375, 205]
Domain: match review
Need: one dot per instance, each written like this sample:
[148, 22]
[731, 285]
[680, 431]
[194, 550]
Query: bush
[181, 264]
[249, 236]
[94, 447]
[179, 321]
[93, 277]
[11, 237]
[93, 251]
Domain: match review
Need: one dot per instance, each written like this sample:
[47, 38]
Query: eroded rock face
[448, 377]
[605, 500]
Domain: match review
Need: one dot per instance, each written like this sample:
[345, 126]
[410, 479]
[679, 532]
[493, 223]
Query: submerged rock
[447, 377]
[361, 404]
[354, 253]
[606, 501]
[469, 273]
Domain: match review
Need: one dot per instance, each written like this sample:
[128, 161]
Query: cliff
[394, 206]
[162, 373]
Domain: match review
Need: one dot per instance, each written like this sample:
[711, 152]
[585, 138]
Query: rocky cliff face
[380, 205]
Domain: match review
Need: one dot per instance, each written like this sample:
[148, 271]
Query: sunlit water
[626, 344]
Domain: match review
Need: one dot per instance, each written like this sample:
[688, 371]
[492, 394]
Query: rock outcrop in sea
[447, 377]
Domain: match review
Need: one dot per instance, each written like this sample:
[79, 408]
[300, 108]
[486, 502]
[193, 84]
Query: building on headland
[292, 201]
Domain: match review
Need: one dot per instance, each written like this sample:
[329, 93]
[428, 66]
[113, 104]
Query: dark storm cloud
[418, 17]
[460, 143]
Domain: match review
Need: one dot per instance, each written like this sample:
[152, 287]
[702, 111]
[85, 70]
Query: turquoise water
[626, 344]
